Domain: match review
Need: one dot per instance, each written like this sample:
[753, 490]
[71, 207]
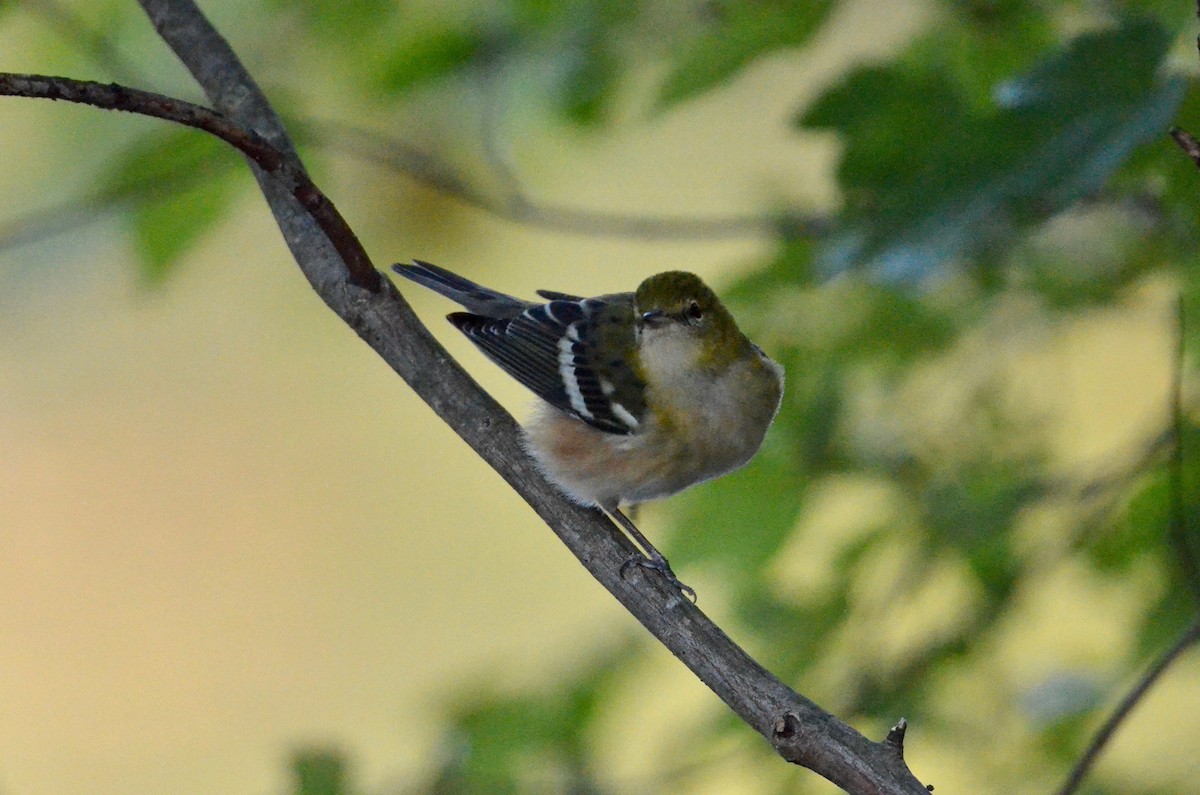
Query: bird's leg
[653, 559]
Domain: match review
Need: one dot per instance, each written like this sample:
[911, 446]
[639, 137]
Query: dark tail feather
[475, 297]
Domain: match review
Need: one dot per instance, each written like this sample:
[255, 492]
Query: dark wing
[575, 355]
[551, 295]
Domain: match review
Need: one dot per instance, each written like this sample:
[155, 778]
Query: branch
[800, 731]
[517, 207]
[1185, 552]
[288, 171]
[1105, 733]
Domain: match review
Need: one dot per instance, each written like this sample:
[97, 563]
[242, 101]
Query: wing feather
[554, 350]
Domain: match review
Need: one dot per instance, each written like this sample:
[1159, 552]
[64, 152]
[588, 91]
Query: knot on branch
[792, 739]
[786, 726]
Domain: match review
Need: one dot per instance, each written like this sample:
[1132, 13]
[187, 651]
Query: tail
[474, 297]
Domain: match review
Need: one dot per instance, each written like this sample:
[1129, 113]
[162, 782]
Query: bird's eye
[694, 312]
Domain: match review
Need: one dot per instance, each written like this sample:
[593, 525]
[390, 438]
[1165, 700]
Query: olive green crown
[673, 291]
[685, 298]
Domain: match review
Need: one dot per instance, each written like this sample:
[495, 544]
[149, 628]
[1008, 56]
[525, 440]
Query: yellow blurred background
[227, 530]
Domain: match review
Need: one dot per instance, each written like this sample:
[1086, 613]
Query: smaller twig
[1084, 765]
[895, 737]
[1178, 527]
[1188, 143]
[427, 170]
[493, 138]
[116, 97]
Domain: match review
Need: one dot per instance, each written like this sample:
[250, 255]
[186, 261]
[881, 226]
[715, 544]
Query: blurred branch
[1084, 765]
[516, 207]
[340, 272]
[434, 174]
[1185, 553]
[96, 44]
[492, 126]
[115, 97]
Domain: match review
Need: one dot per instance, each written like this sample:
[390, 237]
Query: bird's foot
[659, 563]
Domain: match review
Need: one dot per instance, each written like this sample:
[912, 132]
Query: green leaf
[929, 178]
[1139, 532]
[739, 33]
[429, 55]
[971, 508]
[981, 42]
[342, 20]
[587, 38]
[166, 227]
[588, 84]
[178, 187]
[170, 156]
[1165, 620]
[498, 741]
[800, 633]
[320, 772]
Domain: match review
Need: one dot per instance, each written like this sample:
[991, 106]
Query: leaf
[427, 56]
[341, 20]
[588, 39]
[981, 42]
[929, 178]
[1164, 621]
[169, 156]
[1138, 533]
[740, 32]
[178, 187]
[588, 83]
[498, 740]
[972, 507]
[319, 772]
[165, 227]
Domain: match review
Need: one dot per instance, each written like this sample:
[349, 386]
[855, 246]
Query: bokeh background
[238, 556]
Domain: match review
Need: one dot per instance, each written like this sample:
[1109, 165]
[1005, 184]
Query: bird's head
[678, 305]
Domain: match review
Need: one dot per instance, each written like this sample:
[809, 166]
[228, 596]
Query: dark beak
[655, 317]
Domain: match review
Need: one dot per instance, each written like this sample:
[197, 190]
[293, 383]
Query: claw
[659, 563]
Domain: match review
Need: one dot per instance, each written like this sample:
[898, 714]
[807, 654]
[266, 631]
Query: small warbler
[644, 393]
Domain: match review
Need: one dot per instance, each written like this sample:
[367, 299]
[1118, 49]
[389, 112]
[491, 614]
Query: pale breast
[701, 424]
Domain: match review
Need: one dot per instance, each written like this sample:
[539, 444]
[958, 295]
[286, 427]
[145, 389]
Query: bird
[643, 394]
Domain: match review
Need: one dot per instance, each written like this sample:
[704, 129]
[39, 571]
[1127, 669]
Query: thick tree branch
[798, 729]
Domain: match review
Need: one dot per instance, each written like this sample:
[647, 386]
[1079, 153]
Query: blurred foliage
[738, 33]
[1012, 155]
[320, 771]
[175, 184]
